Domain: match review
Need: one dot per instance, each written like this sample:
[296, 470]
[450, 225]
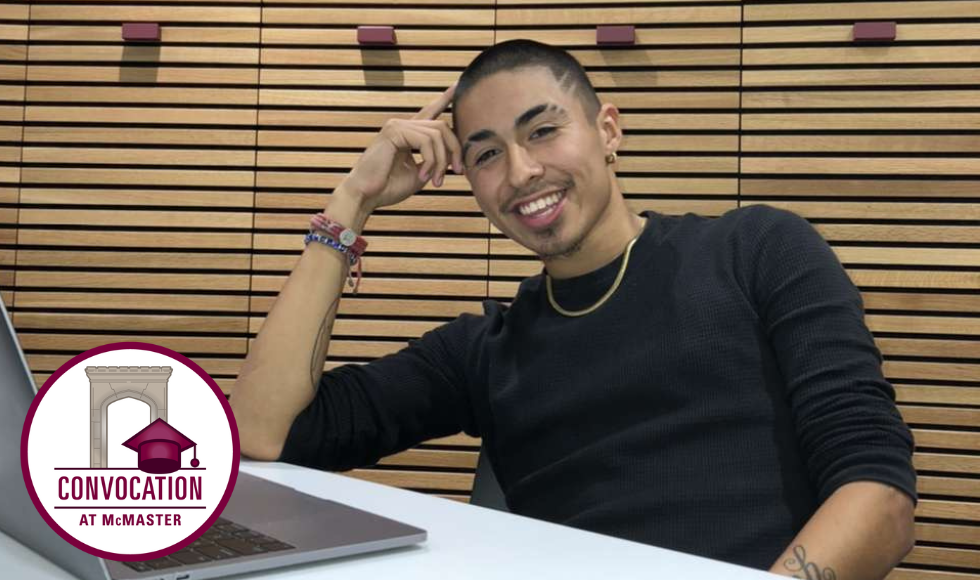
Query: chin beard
[567, 252]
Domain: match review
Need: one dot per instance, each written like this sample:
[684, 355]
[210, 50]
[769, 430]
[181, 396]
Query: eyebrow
[522, 120]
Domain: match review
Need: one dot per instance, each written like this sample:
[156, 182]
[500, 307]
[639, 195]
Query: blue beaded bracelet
[313, 236]
[352, 258]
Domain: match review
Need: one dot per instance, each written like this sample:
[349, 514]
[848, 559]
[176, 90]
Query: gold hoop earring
[611, 158]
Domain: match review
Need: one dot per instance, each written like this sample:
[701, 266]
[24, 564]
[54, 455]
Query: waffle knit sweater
[727, 388]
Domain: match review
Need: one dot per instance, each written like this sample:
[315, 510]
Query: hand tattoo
[809, 570]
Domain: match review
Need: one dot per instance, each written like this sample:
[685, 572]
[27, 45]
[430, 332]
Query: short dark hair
[522, 53]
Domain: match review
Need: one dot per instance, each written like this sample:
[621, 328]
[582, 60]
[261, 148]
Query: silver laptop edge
[20, 519]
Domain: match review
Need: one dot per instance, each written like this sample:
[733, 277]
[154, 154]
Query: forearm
[861, 532]
[284, 362]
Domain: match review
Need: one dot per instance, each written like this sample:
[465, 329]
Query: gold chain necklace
[608, 294]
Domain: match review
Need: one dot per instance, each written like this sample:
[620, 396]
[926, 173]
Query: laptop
[264, 525]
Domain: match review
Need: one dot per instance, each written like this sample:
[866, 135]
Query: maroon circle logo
[132, 455]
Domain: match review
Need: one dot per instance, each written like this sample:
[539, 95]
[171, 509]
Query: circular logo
[130, 451]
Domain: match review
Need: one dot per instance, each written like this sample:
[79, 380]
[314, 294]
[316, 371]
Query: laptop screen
[18, 516]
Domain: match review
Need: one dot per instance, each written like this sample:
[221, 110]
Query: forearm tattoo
[807, 570]
[316, 366]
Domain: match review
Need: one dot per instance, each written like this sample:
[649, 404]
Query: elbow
[254, 442]
[904, 518]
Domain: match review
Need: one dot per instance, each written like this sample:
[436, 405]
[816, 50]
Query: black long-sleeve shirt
[727, 388]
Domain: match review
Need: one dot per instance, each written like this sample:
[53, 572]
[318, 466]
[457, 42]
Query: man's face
[527, 140]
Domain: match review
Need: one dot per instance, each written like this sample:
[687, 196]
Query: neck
[607, 239]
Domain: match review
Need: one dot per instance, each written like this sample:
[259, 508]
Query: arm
[863, 531]
[281, 371]
[856, 446]
[288, 352]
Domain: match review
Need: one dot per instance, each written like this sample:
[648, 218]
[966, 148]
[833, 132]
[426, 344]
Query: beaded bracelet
[339, 232]
[352, 257]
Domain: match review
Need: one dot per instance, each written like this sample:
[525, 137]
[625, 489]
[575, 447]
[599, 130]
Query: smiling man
[700, 384]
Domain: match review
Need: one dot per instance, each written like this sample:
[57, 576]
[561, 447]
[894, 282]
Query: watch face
[348, 238]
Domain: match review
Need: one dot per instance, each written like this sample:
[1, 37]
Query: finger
[423, 142]
[436, 107]
[439, 149]
[452, 145]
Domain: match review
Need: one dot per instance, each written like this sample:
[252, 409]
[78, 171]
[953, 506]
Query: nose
[522, 168]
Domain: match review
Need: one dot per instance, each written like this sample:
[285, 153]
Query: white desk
[464, 542]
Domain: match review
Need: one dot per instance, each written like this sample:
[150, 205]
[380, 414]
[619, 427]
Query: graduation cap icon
[159, 446]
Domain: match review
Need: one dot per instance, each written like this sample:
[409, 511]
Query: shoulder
[753, 228]
[469, 327]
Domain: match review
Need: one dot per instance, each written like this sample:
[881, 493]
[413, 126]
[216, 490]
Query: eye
[540, 129]
[479, 160]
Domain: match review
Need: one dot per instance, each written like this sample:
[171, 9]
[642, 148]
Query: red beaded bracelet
[343, 235]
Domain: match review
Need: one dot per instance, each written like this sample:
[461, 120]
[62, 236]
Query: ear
[607, 123]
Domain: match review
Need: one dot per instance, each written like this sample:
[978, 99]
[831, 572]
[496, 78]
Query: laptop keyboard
[223, 540]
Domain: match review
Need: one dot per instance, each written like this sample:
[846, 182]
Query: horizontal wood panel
[645, 36]
[123, 322]
[472, 37]
[915, 415]
[76, 343]
[432, 458]
[963, 511]
[426, 200]
[862, 143]
[939, 394]
[381, 243]
[138, 177]
[156, 75]
[878, 77]
[157, 53]
[415, 479]
[866, 165]
[860, 10]
[365, 57]
[155, 240]
[208, 303]
[859, 55]
[356, 305]
[943, 557]
[849, 120]
[798, 99]
[333, 16]
[173, 33]
[385, 223]
[127, 115]
[165, 95]
[907, 32]
[133, 13]
[417, 100]
[558, 16]
[140, 198]
[131, 280]
[394, 286]
[385, 265]
[212, 366]
[947, 533]
[100, 259]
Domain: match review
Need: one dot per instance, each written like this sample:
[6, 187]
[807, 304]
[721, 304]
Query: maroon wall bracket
[145, 31]
[625, 34]
[376, 35]
[874, 31]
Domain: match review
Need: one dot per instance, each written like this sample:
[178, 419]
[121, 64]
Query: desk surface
[464, 541]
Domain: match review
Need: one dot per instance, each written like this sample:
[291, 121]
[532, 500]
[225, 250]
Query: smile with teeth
[541, 205]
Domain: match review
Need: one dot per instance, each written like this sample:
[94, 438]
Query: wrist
[348, 208]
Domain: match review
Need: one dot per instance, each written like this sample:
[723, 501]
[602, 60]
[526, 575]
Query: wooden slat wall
[13, 67]
[878, 147]
[138, 182]
[184, 174]
[322, 98]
